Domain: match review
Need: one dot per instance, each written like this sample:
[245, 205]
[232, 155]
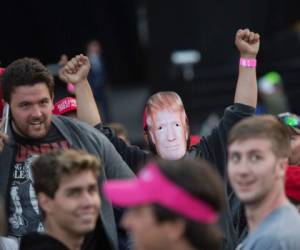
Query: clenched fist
[247, 42]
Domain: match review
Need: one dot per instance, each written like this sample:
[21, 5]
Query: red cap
[64, 105]
[2, 70]
[292, 182]
[194, 140]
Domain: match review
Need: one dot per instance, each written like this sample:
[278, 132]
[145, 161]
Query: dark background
[46, 29]
[139, 36]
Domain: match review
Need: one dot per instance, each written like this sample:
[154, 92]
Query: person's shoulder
[290, 218]
[73, 129]
[8, 244]
[276, 242]
[73, 122]
[66, 119]
[269, 241]
[38, 241]
[284, 214]
[282, 225]
[240, 107]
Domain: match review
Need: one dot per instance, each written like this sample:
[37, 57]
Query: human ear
[283, 166]
[45, 202]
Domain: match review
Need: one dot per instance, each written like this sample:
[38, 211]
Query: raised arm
[213, 146]
[76, 71]
[247, 43]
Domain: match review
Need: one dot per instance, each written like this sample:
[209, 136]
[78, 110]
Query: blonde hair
[164, 100]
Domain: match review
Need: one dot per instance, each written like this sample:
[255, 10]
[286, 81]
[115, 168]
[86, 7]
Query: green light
[291, 121]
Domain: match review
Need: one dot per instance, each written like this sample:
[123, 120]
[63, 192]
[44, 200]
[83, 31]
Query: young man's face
[254, 171]
[147, 233]
[169, 134]
[31, 108]
[76, 204]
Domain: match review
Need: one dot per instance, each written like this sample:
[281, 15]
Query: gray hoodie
[81, 136]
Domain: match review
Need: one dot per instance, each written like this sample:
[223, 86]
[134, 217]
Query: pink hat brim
[133, 193]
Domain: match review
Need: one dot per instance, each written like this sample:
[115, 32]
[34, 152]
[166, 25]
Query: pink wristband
[249, 63]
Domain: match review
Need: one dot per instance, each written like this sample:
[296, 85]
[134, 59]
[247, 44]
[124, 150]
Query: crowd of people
[68, 181]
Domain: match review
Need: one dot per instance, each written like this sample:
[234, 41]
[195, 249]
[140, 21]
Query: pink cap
[64, 105]
[152, 187]
[194, 140]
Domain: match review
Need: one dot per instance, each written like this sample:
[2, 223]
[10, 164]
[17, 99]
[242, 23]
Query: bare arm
[76, 72]
[87, 110]
[246, 90]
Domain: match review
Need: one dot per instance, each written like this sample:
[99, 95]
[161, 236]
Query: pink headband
[152, 187]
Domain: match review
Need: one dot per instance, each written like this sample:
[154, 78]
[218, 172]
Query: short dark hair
[49, 168]
[265, 126]
[199, 179]
[25, 72]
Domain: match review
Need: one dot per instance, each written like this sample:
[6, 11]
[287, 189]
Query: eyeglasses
[289, 119]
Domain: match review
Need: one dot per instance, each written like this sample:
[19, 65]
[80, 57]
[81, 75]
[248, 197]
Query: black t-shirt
[36, 241]
[24, 214]
[97, 239]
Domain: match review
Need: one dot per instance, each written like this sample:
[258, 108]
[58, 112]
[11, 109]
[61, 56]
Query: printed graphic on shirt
[24, 212]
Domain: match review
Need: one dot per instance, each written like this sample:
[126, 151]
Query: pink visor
[152, 187]
[64, 105]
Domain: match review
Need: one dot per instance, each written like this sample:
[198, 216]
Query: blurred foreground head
[170, 204]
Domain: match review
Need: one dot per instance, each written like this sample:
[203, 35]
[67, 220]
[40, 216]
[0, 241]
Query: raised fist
[76, 70]
[247, 42]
